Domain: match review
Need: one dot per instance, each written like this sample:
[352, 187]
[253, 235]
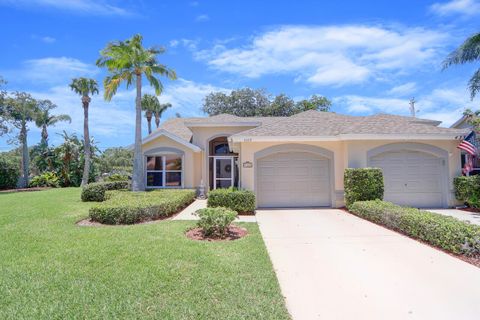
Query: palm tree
[158, 112]
[85, 87]
[468, 51]
[152, 106]
[128, 61]
[20, 109]
[44, 118]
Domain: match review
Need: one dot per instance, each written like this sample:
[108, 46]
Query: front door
[223, 168]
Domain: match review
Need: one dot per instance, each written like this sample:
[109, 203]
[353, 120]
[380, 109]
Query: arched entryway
[222, 164]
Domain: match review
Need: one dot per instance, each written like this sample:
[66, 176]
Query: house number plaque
[248, 164]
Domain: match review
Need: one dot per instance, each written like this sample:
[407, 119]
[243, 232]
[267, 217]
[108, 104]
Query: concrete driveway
[333, 265]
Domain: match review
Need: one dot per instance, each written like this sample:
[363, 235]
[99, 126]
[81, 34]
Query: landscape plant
[215, 221]
[128, 62]
[241, 201]
[361, 184]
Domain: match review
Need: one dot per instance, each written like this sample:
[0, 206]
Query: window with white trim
[164, 171]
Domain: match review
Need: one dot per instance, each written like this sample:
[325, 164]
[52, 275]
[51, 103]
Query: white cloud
[329, 55]
[190, 44]
[403, 89]
[202, 18]
[460, 7]
[97, 7]
[444, 104]
[45, 39]
[52, 70]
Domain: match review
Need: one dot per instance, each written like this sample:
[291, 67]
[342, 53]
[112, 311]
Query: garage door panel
[411, 177]
[298, 179]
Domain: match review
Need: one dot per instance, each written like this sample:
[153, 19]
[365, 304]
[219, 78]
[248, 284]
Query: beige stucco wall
[348, 154]
[191, 165]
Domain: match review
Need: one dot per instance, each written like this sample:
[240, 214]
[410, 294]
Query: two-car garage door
[293, 179]
[412, 178]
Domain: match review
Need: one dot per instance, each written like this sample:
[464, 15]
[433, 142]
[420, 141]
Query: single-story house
[299, 161]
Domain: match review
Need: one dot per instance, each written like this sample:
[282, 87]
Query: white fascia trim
[170, 135]
[343, 137]
[458, 122]
[221, 124]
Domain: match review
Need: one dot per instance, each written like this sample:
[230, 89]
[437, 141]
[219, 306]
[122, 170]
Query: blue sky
[366, 56]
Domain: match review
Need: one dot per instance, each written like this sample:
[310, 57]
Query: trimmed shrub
[117, 177]
[9, 174]
[96, 191]
[126, 207]
[441, 231]
[467, 190]
[241, 201]
[362, 184]
[46, 179]
[215, 221]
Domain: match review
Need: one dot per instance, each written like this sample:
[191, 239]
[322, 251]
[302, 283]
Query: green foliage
[363, 184]
[438, 230]
[133, 207]
[241, 201]
[46, 179]
[116, 160]
[96, 191]
[116, 177]
[9, 174]
[467, 189]
[215, 221]
[249, 102]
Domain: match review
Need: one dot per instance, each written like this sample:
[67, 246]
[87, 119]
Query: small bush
[117, 177]
[96, 191]
[467, 189]
[241, 201]
[363, 184]
[126, 207]
[9, 174]
[46, 179]
[215, 221]
[438, 230]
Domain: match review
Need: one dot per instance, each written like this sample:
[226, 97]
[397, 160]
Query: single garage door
[293, 179]
[412, 178]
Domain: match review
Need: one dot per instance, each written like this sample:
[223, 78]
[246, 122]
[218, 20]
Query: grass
[51, 268]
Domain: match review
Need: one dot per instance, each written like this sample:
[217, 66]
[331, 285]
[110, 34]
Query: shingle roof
[315, 123]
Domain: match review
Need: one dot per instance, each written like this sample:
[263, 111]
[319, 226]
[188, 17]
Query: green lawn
[52, 269]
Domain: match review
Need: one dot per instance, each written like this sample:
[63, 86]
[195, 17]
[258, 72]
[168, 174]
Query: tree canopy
[249, 102]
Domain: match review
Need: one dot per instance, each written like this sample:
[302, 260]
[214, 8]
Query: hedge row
[9, 174]
[438, 230]
[96, 191]
[363, 184]
[241, 201]
[467, 189]
[125, 207]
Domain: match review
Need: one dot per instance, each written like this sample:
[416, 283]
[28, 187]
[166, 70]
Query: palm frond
[474, 84]
[468, 51]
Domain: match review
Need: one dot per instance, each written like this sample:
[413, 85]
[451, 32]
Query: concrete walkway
[473, 217]
[333, 265]
[188, 212]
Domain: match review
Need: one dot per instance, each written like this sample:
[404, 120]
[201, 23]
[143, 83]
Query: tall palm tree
[85, 88]
[128, 61]
[44, 118]
[468, 51]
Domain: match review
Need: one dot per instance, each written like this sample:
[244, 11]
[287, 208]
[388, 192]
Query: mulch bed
[234, 233]
[472, 260]
[468, 209]
[25, 189]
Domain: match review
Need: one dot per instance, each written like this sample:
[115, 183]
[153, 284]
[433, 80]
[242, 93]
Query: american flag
[469, 144]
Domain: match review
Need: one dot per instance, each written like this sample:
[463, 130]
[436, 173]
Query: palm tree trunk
[44, 135]
[138, 183]
[149, 121]
[25, 156]
[157, 119]
[86, 144]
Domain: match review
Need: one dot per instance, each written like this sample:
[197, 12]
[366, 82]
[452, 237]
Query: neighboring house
[299, 161]
[462, 123]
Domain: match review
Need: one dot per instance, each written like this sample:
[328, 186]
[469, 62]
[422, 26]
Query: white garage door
[293, 179]
[412, 178]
